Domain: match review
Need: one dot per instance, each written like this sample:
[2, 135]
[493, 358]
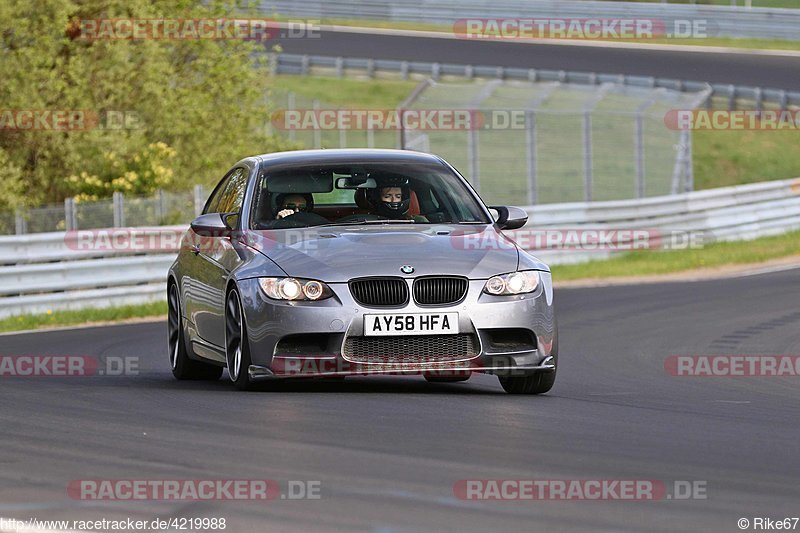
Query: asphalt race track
[773, 71]
[388, 451]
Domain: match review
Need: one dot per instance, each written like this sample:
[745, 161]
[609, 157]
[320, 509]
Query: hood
[338, 254]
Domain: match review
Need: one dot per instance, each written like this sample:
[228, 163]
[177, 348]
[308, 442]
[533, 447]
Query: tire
[237, 350]
[184, 368]
[537, 383]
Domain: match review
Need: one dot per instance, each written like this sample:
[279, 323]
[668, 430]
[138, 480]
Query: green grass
[655, 262]
[345, 92]
[84, 316]
[723, 158]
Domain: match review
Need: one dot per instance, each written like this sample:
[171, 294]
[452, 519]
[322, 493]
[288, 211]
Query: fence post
[273, 63]
[20, 224]
[317, 132]
[70, 218]
[370, 137]
[290, 105]
[199, 200]
[531, 152]
[474, 158]
[639, 148]
[161, 207]
[689, 163]
[680, 164]
[118, 206]
[587, 156]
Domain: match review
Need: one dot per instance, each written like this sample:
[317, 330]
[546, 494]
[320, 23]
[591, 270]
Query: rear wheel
[183, 367]
[236, 346]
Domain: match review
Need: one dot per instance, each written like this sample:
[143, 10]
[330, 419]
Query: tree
[156, 113]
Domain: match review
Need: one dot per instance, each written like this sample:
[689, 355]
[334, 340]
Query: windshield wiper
[365, 222]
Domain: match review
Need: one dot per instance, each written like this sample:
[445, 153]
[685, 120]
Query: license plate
[411, 324]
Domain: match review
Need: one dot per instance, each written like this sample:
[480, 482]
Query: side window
[213, 202]
[232, 198]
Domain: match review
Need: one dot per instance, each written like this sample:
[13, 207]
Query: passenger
[290, 204]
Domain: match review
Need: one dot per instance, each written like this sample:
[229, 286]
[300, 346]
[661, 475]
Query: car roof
[341, 155]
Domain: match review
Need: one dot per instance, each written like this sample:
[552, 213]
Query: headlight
[294, 289]
[513, 283]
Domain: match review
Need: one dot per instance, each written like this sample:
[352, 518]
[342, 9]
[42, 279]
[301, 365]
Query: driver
[392, 200]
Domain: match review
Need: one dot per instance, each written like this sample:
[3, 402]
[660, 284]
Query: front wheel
[183, 367]
[237, 350]
[538, 383]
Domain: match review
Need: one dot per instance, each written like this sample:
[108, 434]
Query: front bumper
[269, 321]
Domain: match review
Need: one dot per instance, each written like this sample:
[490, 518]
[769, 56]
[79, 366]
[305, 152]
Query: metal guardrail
[731, 95]
[31, 283]
[722, 21]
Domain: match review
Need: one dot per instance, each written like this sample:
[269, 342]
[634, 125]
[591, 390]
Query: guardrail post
[370, 68]
[118, 206]
[339, 67]
[759, 98]
[783, 100]
[404, 70]
[531, 152]
[20, 224]
[304, 65]
[199, 199]
[731, 97]
[436, 70]
[587, 156]
[70, 216]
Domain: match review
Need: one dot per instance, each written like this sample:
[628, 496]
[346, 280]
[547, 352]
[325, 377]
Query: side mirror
[211, 225]
[510, 217]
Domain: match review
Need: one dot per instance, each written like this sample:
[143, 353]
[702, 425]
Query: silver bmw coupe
[334, 263]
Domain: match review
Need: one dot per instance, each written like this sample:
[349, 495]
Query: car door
[215, 257]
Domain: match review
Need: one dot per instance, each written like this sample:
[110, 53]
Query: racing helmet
[395, 210]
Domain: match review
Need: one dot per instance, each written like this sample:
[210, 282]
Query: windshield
[363, 193]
